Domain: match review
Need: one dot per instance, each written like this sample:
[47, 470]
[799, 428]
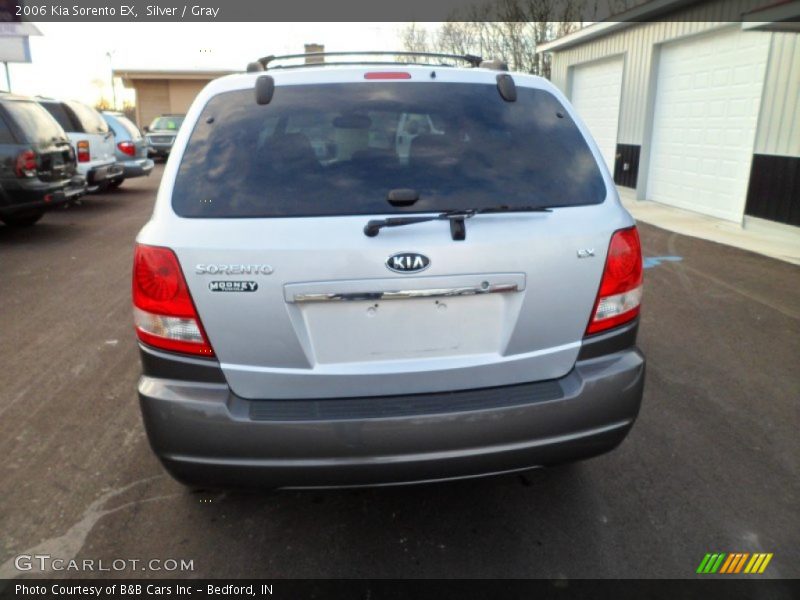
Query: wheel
[22, 219]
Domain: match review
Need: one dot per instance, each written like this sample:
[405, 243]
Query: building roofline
[172, 74]
[649, 11]
[783, 15]
[778, 8]
[580, 36]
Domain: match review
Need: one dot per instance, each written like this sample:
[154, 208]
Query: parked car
[37, 164]
[131, 149]
[160, 134]
[361, 319]
[91, 139]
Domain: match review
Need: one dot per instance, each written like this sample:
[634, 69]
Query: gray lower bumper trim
[402, 406]
[205, 435]
[282, 463]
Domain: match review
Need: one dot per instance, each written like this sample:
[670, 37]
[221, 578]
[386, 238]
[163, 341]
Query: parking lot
[711, 465]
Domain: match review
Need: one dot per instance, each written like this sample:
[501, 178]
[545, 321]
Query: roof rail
[262, 64]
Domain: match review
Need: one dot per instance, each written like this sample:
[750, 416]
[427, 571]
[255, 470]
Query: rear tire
[22, 220]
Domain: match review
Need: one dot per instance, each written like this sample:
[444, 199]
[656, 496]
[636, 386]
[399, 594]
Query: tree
[103, 104]
[509, 30]
[129, 110]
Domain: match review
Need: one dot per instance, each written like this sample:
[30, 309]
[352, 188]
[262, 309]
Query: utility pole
[113, 89]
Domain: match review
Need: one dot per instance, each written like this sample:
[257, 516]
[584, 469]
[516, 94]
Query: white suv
[91, 139]
[327, 296]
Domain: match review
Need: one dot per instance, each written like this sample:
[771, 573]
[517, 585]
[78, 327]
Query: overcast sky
[69, 59]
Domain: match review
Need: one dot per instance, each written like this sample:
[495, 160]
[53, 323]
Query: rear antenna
[265, 87]
[507, 87]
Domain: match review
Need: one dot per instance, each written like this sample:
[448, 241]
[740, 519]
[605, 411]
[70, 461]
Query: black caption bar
[417, 589]
[233, 10]
[370, 10]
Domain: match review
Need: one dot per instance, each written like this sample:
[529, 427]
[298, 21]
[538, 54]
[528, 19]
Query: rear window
[168, 123]
[36, 123]
[91, 121]
[127, 125]
[61, 115]
[6, 137]
[338, 149]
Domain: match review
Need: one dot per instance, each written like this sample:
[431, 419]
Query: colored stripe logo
[734, 562]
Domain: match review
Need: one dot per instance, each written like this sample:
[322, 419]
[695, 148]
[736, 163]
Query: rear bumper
[205, 435]
[104, 173]
[159, 149]
[139, 167]
[42, 196]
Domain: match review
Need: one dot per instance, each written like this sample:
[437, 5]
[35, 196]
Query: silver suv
[92, 141]
[320, 303]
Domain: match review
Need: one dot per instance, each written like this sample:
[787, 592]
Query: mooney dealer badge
[233, 286]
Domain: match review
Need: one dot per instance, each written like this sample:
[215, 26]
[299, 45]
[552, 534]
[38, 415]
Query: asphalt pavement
[710, 466]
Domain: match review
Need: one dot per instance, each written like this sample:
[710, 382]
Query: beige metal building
[164, 92]
[690, 107]
[161, 92]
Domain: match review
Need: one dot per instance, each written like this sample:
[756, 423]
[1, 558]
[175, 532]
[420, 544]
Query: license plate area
[408, 319]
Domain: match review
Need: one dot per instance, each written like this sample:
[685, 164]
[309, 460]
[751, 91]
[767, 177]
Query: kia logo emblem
[407, 262]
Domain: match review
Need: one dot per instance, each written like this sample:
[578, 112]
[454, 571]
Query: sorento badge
[233, 269]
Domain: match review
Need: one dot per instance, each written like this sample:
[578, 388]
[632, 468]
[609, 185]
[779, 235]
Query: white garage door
[706, 111]
[596, 89]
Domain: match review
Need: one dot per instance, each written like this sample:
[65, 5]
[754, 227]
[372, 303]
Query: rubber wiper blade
[456, 218]
[505, 208]
[373, 227]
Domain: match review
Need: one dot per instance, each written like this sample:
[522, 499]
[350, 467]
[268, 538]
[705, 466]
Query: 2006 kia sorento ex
[282, 345]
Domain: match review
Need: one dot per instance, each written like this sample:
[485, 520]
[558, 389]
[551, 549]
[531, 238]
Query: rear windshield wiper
[456, 218]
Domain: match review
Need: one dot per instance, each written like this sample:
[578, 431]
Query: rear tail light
[163, 311]
[127, 148]
[83, 151]
[621, 288]
[26, 164]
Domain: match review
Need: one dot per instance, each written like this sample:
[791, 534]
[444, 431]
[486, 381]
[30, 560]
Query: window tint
[61, 115]
[340, 148]
[37, 124]
[91, 121]
[168, 123]
[121, 126]
[6, 137]
[126, 123]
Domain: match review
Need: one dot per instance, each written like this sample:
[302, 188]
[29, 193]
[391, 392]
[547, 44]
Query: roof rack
[262, 64]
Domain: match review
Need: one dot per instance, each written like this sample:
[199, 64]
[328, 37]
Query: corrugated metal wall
[779, 123]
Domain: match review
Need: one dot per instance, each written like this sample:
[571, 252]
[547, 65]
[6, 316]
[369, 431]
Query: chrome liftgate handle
[497, 288]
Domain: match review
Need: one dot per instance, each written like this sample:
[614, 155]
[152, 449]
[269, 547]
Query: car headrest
[434, 150]
[288, 152]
